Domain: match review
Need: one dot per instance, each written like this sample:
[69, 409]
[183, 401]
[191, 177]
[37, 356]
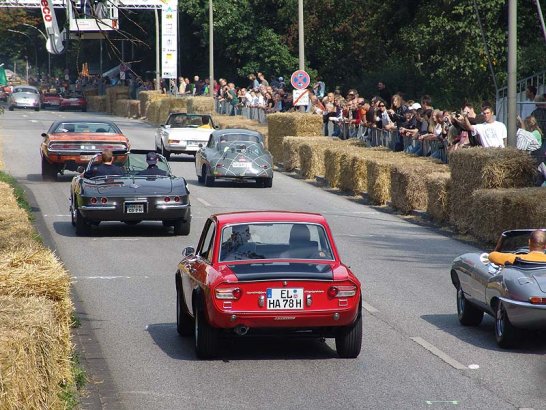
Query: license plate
[238, 164]
[285, 299]
[86, 157]
[134, 208]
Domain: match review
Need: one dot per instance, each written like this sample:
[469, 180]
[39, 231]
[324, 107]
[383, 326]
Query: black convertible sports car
[514, 294]
[131, 197]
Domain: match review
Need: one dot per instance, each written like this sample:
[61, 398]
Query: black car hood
[131, 186]
[282, 270]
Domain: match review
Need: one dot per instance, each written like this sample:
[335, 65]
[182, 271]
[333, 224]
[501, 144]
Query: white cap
[415, 106]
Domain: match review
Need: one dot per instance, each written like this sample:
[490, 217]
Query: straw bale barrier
[146, 98]
[334, 157]
[291, 150]
[153, 113]
[201, 105]
[408, 183]
[134, 109]
[34, 271]
[379, 175]
[490, 168]
[354, 171]
[15, 229]
[498, 210]
[237, 121]
[438, 185]
[91, 92]
[114, 94]
[121, 108]
[30, 374]
[312, 162]
[96, 103]
[296, 124]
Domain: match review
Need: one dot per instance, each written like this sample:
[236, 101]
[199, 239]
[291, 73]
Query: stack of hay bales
[29, 353]
[134, 109]
[281, 125]
[498, 210]
[96, 103]
[121, 108]
[354, 170]
[15, 229]
[335, 156]
[291, 150]
[312, 151]
[378, 170]
[114, 94]
[201, 105]
[438, 185]
[172, 104]
[146, 98]
[479, 168]
[91, 92]
[408, 183]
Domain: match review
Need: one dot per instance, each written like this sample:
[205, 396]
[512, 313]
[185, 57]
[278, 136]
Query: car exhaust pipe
[241, 330]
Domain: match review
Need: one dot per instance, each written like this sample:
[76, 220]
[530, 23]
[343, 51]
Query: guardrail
[252, 113]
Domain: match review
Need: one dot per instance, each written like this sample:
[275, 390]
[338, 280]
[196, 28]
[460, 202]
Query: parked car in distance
[236, 155]
[135, 196]
[24, 96]
[182, 133]
[513, 294]
[267, 273]
[73, 100]
[50, 99]
[71, 143]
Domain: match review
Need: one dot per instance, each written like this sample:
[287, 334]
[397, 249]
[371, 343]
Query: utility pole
[301, 42]
[157, 65]
[512, 71]
[211, 50]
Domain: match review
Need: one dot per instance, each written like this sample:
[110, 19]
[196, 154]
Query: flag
[3, 77]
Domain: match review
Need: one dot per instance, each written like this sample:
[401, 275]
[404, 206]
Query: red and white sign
[300, 97]
[300, 80]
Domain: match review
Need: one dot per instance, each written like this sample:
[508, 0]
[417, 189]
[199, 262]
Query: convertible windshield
[189, 121]
[274, 241]
[240, 137]
[137, 165]
[95, 127]
[25, 90]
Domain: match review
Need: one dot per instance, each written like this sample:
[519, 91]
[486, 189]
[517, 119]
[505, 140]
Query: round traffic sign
[300, 80]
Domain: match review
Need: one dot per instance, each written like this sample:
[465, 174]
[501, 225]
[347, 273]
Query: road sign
[300, 80]
[300, 97]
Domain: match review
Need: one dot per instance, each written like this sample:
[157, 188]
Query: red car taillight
[537, 300]
[341, 291]
[93, 200]
[229, 294]
[103, 200]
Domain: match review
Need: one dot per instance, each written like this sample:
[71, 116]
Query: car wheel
[84, 109]
[209, 179]
[349, 339]
[37, 109]
[266, 182]
[11, 108]
[505, 333]
[184, 322]
[61, 108]
[206, 337]
[181, 227]
[49, 171]
[72, 210]
[165, 153]
[201, 178]
[82, 226]
[468, 314]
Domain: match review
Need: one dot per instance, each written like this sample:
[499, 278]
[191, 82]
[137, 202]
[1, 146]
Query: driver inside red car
[537, 246]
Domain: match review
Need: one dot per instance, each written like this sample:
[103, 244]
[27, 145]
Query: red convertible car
[267, 272]
[73, 100]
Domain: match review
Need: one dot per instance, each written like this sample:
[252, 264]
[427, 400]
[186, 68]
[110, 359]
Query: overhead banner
[3, 77]
[169, 39]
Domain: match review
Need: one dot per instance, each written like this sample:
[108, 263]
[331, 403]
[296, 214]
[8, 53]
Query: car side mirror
[167, 126]
[200, 145]
[44, 135]
[189, 251]
[80, 169]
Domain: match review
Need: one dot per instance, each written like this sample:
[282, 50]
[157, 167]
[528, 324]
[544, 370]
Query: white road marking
[442, 401]
[369, 307]
[57, 216]
[118, 239]
[110, 277]
[437, 352]
[33, 120]
[473, 366]
[203, 202]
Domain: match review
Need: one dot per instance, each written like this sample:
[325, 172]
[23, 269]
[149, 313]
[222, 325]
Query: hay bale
[146, 98]
[179, 104]
[291, 147]
[201, 105]
[312, 162]
[296, 124]
[408, 183]
[96, 103]
[497, 210]
[30, 358]
[379, 175]
[34, 271]
[114, 94]
[334, 157]
[479, 168]
[438, 185]
[121, 108]
[91, 92]
[354, 171]
[153, 113]
[15, 228]
[134, 109]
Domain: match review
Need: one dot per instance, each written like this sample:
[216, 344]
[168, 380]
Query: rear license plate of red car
[134, 208]
[285, 299]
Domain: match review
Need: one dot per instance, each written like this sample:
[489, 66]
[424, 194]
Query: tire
[201, 178]
[84, 109]
[209, 179]
[37, 109]
[468, 314]
[61, 108]
[72, 211]
[506, 334]
[206, 337]
[165, 153]
[181, 227]
[49, 171]
[82, 226]
[184, 322]
[349, 339]
[268, 182]
[11, 108]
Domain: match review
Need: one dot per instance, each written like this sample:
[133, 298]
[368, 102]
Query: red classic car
[50, 99]
[73, 100]
[267, 272]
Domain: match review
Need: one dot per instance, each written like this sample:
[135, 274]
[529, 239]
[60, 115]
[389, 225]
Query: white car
[182, 133]
[24, 96]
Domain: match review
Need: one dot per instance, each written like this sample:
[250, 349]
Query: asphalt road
[415, 354]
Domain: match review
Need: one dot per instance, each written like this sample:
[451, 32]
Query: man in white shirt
[492, 133]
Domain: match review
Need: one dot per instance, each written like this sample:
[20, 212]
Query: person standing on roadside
[492, 133]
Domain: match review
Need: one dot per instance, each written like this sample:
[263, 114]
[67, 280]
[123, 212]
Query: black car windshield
[136, 165]
[95, 127]
[282, 240]
[25, 90]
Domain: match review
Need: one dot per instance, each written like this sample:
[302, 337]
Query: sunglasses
[381, 105]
